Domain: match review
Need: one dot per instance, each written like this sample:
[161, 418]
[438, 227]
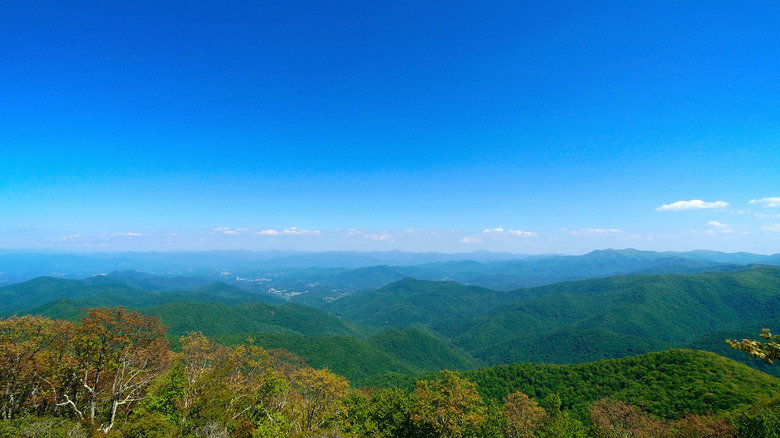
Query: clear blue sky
[529, 127]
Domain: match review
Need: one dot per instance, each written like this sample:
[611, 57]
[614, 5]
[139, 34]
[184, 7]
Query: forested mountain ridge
[619, 316]
[119, 290]
[668, 383]
[411, 301]
[316, 278]
[245, 390]
[469, 326]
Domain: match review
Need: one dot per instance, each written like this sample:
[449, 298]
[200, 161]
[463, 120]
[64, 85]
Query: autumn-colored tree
[28, 346]
[615, 419]
[448, 406]
[702, 426]
[319, 393]
[522, 416]
[114, 357]
[768, 350]
[236, 388]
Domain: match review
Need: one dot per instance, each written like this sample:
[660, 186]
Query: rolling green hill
[42, 290]
[568, 346]
[667, 384]
[411, 301]
[576, 321]
[409, 352]
[674, 309]
[219, 319]
[423, 349]
[415, 325]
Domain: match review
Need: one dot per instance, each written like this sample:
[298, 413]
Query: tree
[759, 421]
[522, 416]
[26, 359]
[376, 413]
[115, 355]
[236, 388]
[615, 419]
[768, 351]
[559, 423]
[447, 407]
[319, 393]
[702, 426]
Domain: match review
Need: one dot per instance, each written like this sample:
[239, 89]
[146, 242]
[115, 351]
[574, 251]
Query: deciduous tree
[447, 407]
[522, 416]
[319, 392]
[615, 419]
[768, 350]
[115, 356]
[28, 347]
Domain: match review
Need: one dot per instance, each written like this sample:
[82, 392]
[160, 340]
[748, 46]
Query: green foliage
[660, 308]
[42, 290]
[758, 422]
[568, 346]
[767, 351]
[356, 359]
[666, 384]
[423, 349]
[411, 301]
[574, 322]
[146, 424]
[219, 319]
[448, 406]
[166, 392]
[714, 342]
[34, 426]
[377, 413]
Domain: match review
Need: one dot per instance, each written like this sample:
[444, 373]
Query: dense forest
[113, 373]
[374, 354]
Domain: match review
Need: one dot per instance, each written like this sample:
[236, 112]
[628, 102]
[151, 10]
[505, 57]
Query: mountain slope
[667, 384]
[411, 301]
[42, 290]
[669, 308]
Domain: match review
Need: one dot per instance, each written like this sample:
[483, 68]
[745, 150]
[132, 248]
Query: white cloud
[382, 235]
[267, 233]
[230, 232]
[718, 227]
[469, 239]
[774, 228]
[130, 234]
[694, 204]
[521, 233]
[767, 202]
[501, 231]
[293, 231]
[595, 232]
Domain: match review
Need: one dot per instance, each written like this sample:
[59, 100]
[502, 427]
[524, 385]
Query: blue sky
[425, 126]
